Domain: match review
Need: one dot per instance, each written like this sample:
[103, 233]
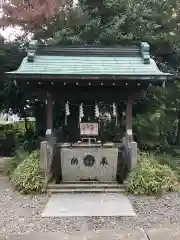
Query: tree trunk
[178, 130]
[25, 121]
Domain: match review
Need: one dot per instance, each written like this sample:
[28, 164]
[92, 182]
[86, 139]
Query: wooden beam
[49, 111]
[82, 96]
[87, 94]
[129, 113]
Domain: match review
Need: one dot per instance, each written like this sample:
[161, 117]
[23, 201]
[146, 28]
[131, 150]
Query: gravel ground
[22, 214]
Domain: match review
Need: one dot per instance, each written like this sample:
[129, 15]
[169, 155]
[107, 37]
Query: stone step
[84, 185]
[89, 182]
[86, 190]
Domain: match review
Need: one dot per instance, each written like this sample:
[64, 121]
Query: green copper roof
[129, 62]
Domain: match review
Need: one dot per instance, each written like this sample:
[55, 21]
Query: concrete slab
[164, 233]
[108, 234]
[2, 237]
[85, 205]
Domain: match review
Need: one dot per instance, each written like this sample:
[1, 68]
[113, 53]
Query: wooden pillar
[49, 112]
[41, 119]
[129, 113]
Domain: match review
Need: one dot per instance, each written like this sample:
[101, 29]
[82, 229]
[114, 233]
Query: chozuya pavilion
[87, 91]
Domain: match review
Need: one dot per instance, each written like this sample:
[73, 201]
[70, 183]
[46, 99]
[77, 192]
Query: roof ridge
[89, 51]
[117, 51]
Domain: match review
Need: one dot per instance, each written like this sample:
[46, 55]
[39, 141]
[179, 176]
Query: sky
[11, 33]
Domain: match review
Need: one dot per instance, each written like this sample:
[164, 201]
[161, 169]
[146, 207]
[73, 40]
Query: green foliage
[97, 22]
[13, 162]
[26, 177]
[30, 142]
[112, 22]
[147, 129]
[8, 139]
[170, 156]
[10, 96]
[154, 129]
[4, 162]
[156, 124]
[150, 177]
[13, 136]
[121, 21]
[16, 129]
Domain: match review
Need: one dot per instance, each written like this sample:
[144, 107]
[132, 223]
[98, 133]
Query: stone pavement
[165, 233]
[82, 204]
[119, 234]
[172, 233]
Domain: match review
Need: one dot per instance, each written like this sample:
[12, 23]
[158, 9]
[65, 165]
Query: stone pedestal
[86, 163]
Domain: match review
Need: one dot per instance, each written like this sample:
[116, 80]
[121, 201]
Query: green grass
[153, 175]
[171, 158]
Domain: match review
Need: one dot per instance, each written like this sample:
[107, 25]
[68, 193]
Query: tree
[157, 122]
[10, 59]
[35, 17]
[32, 15]
[115, 22]
[110, 22]
[118, 21]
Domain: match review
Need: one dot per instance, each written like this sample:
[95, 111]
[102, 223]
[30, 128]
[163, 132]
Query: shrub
[8, 139]
[26, 177]
[13, 162]
[15, 134]
[170, 158]
[150, 177]
[30, 141]
[3, 164]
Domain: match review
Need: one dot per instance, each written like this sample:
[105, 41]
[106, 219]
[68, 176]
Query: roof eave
[18, 76]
